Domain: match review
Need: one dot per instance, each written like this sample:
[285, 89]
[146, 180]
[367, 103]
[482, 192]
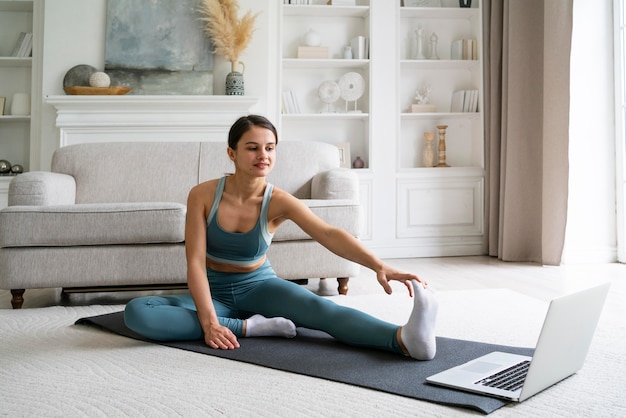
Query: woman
[234, 292]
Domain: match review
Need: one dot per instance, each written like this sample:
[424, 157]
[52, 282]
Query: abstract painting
[158, 47]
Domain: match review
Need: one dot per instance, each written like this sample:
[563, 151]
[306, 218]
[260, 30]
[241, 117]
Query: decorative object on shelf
[344, 154]
[358, 162]
[442, 146]
[433, 46]
[312, 38]
[78, 75]
[5, 167]
[465, 3]
[352, 86]
[422, 104]
[360, 48]
[20, 106]
[17, 169]
[347, 52]
[312, 52]
[230, 35]
[329, 93]
[97, 91]
[428, 154]
[99, 79]
[234, 82]
[419, 43]
[3, 101]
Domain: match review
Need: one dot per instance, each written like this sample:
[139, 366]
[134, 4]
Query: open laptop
[560, 352]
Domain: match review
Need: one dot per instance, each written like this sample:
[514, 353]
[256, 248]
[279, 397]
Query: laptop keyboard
[508, 379]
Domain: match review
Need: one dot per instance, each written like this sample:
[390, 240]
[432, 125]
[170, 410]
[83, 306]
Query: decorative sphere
[312, 38]
[5, 166]
[17, 169]
[99, 79]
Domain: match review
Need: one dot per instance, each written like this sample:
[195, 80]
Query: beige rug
[49, 367]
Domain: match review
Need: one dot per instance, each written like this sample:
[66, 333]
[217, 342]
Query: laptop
[561, 349]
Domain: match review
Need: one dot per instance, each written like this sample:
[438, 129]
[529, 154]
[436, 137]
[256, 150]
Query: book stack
[313, 52]
[464, 101]
[290, 103]
[24, 45]
[464, 49]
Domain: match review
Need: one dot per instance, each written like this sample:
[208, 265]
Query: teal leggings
[237, 296]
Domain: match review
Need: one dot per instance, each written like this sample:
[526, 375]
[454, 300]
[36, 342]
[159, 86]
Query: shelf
[16, 6]
[11, 118]
[325, 11]
[303, 63]
[439, 64]
[441, 115]
[441, 172]
[324, 116]
[438, 12]
[16, 61]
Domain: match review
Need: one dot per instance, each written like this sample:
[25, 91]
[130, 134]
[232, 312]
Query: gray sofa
[110, 216]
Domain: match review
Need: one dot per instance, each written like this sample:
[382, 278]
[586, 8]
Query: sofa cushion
[342, 213]
[92, 224]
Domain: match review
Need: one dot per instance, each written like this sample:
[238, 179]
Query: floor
[442, 274]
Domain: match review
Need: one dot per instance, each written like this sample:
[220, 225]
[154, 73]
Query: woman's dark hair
[244, 123]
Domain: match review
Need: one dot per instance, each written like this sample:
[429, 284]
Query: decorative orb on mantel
[99, 79]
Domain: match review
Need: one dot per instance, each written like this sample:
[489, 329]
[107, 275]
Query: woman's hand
[220, 337]
[387, 274]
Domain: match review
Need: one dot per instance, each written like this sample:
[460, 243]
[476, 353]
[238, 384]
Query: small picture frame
[3, 101]
[344, 154]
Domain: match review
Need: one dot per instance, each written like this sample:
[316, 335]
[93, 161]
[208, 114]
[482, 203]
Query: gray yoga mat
[316, 354]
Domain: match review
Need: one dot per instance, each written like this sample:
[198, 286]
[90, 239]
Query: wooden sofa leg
[18, 298]
[343, 285]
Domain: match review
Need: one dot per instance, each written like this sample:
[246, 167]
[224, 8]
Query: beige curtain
[527, 58]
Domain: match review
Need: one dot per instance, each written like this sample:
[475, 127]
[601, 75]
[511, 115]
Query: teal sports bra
[240, 249]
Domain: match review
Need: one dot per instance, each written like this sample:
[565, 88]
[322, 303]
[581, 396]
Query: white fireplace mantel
[85, 119]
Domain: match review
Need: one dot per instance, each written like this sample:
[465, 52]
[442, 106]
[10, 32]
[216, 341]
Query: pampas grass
[229, 34]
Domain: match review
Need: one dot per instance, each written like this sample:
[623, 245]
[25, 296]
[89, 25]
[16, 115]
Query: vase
[234, 80]
[465, 3]
[358, 163]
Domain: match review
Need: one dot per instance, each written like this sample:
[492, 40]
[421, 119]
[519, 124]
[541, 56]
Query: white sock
[418, 335]
[260, 326]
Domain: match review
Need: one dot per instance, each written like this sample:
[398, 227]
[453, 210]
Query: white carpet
[50, 367]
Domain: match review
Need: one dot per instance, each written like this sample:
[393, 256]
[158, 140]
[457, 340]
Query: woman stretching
[234, 291]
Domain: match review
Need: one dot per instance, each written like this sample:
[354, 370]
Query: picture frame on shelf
[344, 154]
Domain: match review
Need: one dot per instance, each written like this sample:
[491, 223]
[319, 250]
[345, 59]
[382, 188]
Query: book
[3, 101]
[290, 103]
[464, 101]
[18, 44]
[313, 52]
[464, 49]
[27, 45]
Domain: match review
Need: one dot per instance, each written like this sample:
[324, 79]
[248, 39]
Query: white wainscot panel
[444, 207]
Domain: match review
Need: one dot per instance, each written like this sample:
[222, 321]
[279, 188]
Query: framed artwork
[344, 154]
[158, 47]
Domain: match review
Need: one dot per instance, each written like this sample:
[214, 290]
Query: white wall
[591, 219]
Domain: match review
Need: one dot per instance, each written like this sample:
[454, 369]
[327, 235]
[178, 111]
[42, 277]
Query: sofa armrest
[42, 188]
[337, 183]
